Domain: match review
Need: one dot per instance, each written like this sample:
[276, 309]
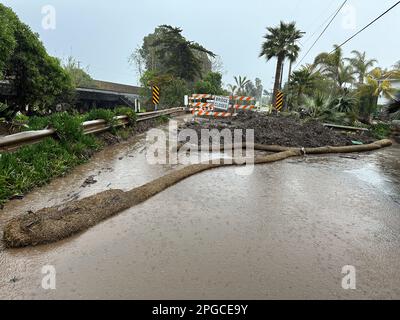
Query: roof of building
[114, 87]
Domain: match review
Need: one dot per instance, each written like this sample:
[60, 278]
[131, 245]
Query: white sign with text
[221, 103]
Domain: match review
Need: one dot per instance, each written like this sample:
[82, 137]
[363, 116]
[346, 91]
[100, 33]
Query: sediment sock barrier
[56, 223]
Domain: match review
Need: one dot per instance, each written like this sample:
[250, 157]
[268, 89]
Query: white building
[396, 85]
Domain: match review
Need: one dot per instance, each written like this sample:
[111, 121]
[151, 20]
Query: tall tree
[378, 82]
[79, 76]
[361, 64]
[304, 81]
[211, 84]
[168, 52]
[232, 89]
[333, 66]
[39, 79]
[281, 43]
[241, 84]
[259, 89]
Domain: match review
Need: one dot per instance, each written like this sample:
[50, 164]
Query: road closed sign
[221, 103]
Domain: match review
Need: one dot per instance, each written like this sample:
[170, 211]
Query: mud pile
[283, 131]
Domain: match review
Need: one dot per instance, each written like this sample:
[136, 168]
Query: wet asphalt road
[284, 231]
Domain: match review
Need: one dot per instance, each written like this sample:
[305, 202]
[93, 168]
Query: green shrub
[101, 114]
[163, 119]
[21, 119]
[381, 130]
[6, 111]
[69, 127]
[34, 166]
[126, 111]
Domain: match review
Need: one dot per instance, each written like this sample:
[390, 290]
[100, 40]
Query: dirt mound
[283, 131]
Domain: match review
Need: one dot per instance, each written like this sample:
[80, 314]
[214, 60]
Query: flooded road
[285, 231]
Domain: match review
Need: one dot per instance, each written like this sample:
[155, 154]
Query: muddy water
[284, 231]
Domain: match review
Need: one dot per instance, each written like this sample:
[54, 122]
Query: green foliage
[317, 107]
[101, 114]
[173, 93]
[345, 103]
[33, 166]
[126, 111]
[7, 40]
[326, 109]
[381, 131]
[6, 113]
[167, 51]
[281, 43]
[303, 81]
[361, 64]
[36, 165]
[39, 80]
[79, 77]
[163, 119]
[21, 119]
[211, 84]
[172, 89]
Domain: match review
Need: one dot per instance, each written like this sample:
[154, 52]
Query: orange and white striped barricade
[242, 98]
[198, 105]
[212, 114]
[244, 107]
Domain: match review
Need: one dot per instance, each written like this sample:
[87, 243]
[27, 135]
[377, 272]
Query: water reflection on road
[285, 231]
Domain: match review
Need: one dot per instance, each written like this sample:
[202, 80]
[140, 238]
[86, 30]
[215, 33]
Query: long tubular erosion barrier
[15, 141]
[57, 223]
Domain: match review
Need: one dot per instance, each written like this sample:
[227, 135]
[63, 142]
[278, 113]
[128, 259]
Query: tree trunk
[290, 71]
[278, 73]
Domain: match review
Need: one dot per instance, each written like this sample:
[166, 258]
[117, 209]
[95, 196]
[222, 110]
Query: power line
[322, 24]
[322, 33]
[367, 26]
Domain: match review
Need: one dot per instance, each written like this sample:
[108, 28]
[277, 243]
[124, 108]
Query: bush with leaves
[172, 89]
[211, 84]
[6, 113]
[345, 103]
[79, 76]
[101, 114]
[126, 111]
[39, 79]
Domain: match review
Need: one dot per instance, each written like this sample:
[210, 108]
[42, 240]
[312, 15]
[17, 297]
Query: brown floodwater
[284, 231]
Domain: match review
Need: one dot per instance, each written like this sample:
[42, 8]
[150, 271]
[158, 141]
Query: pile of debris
[283, 131]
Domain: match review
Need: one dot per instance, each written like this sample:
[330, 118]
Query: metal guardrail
[12, 142]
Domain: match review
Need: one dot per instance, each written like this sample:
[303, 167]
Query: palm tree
[303, 81]
[345, 75]
[379, 80]
[232, 89]
[332, 66]
[377, 83]
[329, 63]
[361, 64]
[241, 84]
[281, 43]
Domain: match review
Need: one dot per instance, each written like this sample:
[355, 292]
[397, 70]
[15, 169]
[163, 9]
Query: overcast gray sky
[101, 34]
